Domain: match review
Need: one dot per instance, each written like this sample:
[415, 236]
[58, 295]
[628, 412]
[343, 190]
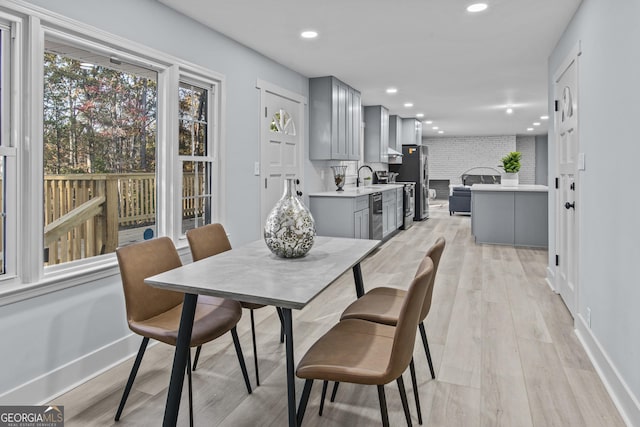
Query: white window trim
[32, 280]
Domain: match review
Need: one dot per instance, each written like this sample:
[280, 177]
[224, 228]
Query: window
[99, 136]
[195, 153]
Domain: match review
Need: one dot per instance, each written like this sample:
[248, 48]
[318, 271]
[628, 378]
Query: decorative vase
[339, 174]
[509, 179]
[290, 228]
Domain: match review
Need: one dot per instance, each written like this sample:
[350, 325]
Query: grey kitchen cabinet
[334, 120]
[395, 133]
[389, 212]
[376, 134]
[399, 207]
[411, 132]
[341, 216]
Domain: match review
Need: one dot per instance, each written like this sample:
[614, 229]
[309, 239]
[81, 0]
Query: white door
[567, 207]
[281, 145]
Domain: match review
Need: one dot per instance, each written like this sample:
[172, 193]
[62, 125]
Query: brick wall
[527, 146]
[450, 157]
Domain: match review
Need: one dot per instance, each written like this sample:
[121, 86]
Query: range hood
[393, 153]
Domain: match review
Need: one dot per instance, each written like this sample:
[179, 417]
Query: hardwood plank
[596, 406]
[454, 405]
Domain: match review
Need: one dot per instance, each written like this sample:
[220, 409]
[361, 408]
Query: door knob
[570, 205]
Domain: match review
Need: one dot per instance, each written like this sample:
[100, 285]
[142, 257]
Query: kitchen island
[510, 215]
[349, 213]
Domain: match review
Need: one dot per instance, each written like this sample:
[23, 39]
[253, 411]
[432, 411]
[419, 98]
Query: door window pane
[99, 153]
[196, 191]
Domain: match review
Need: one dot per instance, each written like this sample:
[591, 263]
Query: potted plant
[511, 166]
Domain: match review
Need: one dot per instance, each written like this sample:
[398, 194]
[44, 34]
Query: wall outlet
[589, 317]
[256, 168]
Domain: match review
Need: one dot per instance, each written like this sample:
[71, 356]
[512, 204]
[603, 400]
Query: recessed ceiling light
[477, 7]
[309, 34]
[419, 115]
[544, 117]
[509, 110]
[392, 90]
[440, 131]
[536, 123]
[529, 129]
[435, 128]
[428, 122]
[408, 104]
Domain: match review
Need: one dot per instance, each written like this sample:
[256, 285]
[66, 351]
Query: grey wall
[542, 169]
[526, 145]
[81, 330]
[608, 71]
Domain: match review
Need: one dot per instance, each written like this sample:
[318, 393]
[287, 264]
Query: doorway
[281, 142]
[568, 185]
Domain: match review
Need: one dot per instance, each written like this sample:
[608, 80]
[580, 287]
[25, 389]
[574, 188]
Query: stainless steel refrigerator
[415, 168]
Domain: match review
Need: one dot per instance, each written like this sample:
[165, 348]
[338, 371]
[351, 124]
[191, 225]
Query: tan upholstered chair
[210, 240]
[155, 313]
[382, 305]
[363, 352]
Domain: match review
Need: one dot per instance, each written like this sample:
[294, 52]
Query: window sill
[62, 277]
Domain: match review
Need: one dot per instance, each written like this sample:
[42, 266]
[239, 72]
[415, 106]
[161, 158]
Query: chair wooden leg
[236, 343]
[132, 376]
[304, 399]
[383, 406]
[195, 359]
[255, 348]
[403, 399]
[324, 394]
[190, 389]
[334, 391]
[423, 333]
[414, 383]
[281, 324]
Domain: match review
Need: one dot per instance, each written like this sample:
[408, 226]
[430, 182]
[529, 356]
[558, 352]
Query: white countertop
[499, 187]
[357, 191]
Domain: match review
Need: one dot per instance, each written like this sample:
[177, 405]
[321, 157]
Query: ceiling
[460, 69]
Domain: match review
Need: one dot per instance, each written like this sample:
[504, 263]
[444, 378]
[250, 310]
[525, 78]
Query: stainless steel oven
[375, 216]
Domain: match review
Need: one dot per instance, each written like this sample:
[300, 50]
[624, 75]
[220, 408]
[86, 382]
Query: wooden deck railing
[83, 213]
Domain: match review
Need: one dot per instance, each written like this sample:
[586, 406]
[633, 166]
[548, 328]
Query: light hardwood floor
[502, 343]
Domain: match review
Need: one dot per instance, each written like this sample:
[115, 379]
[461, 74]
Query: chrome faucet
[358, 178]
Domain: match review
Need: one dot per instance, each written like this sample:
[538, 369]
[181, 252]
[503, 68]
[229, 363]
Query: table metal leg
[357, 277]
[291, 379]
[180, 360]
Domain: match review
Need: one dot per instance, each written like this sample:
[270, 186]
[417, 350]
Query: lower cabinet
[389, 213]
[341, 216]
[399, 208]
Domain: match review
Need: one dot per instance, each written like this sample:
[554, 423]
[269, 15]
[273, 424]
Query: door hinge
[573, 186]
[265, 183]
[557, 259]
[557, 182]
[555, 105]
[265, 111]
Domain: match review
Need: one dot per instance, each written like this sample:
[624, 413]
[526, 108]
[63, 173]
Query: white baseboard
[619, 391]
[551, 279]
[48, 386]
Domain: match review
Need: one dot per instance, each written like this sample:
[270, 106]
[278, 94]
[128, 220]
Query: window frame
[32, 278]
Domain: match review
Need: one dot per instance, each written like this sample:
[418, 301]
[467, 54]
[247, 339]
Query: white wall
[526, 144]
[608, 108]
[450, 157]
[55, 340]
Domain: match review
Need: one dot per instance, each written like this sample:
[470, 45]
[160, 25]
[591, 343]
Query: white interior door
[281, 145]
[567, 208]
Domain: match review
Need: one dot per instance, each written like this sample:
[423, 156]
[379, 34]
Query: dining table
[252, 273]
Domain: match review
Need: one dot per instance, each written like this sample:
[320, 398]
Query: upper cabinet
[395, 133]
[411, 132]
[334, 120]
[376, 134]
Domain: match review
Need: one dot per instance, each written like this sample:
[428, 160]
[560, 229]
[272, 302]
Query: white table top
[357, 191]
[251, 273]
[499, 187]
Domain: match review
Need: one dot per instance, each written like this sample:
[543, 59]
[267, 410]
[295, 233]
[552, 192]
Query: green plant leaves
[511, 162]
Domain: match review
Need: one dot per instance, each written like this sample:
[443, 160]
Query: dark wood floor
[504, 351]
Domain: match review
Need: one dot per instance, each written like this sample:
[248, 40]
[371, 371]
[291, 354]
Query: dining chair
[210, 240]
[363, 352]
[383, 304]
[155, 313]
